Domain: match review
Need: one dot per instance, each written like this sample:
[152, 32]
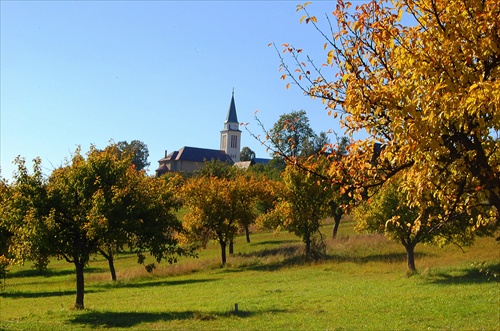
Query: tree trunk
[247, 233]
[307, 240]
[410, 257]
[109, 256]
[80, 285]
[336, 226]
[231, 247]
[112, 268]
[223, 251]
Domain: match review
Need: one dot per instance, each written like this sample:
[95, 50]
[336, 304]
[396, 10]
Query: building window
[234, 141]
[224, 142]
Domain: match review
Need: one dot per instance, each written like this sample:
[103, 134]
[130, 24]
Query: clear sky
[162, 72]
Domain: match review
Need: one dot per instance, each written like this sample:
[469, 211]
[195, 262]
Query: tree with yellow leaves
[388, 212]
[421, 77]
[302, 205]
[218, 206]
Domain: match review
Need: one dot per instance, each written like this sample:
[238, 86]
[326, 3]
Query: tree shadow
[96, 319]
[475, 274]
[387, 258]
[286, 263]
[275, 242]
[51, 272]
[284, 256]
[47, 294]
[120, 284]
[285, 251]
[293, 255]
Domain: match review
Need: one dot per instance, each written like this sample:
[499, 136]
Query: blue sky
[87, 72]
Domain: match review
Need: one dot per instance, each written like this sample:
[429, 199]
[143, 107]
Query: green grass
[361, 285]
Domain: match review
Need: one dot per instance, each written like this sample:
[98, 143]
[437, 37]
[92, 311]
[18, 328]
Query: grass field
[361, 285]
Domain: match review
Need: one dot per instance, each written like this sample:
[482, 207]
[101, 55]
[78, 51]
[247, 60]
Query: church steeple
[230, 137]
[231, 118]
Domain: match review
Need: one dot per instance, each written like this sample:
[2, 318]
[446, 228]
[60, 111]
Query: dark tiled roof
[261, 161]
[161, 170]
[195, 154]
[169, 157]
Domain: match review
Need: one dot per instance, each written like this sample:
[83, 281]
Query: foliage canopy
[88, 205]
[422, 78]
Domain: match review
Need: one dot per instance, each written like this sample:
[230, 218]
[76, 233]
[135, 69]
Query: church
[189, 159]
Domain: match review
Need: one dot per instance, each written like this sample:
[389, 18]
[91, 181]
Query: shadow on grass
[164, 282]
[97, 319]
[51, 272]
[285, 251]
[388, 258]
[275, 242]
[473, 275]
[293, 255]
[47, 294]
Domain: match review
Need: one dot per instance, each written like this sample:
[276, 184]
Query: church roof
[231, 114]
[195, 154]
[258, 160]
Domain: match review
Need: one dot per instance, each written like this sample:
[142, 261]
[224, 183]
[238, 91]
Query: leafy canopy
[422, 78]
[301, 205]
[89, 204]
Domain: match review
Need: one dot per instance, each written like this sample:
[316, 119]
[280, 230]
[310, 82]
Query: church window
[234, 141]
[224, 142]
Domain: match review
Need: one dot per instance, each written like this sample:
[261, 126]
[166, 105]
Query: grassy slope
[362, 285]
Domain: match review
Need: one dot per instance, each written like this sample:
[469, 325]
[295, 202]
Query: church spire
[231, 114]
[231, 135]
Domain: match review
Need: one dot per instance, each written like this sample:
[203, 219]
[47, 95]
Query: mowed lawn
[361, 285]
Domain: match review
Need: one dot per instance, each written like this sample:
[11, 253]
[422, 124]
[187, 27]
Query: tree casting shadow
[275, 242]
[294, 255]
[129, 319]
[473, 275]
[51, 272]
[388, 258]
[48, 294]
[164, 282]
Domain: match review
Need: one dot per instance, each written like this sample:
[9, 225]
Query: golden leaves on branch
[430, 92]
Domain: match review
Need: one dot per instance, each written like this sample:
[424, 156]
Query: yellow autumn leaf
[330, 56]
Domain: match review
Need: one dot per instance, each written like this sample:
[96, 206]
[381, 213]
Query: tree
[139, 151]
[388, 212]
[301, 206]
[251, 194]
[5, 233]
[218, 206]
[340, 199]
[89, 204]
[137, 216]
[217, 168]
[247, 154]
[25, 202]
[207, 218]
[317, 144]
[429, 92]
[271, 170]
[291, 134]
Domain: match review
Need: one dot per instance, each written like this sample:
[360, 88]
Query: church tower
[230, 137]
